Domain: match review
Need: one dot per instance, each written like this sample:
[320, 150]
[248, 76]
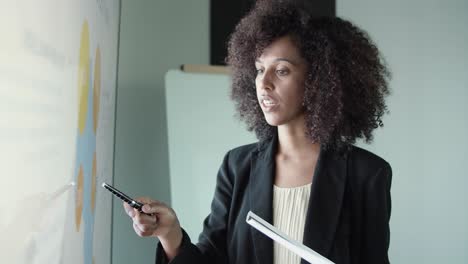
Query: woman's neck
[293, 142]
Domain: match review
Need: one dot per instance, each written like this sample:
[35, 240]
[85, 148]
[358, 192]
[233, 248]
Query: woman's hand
[163, 224]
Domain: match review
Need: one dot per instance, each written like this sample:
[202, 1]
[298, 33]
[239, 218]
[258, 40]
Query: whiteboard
[58, 66]
[202, 128]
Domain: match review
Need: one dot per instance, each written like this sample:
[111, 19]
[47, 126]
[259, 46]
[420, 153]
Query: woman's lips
[268, 103]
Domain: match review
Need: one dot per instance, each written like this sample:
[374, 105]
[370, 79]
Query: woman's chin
[273, 121]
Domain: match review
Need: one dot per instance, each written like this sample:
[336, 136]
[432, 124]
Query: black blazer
[347, 219]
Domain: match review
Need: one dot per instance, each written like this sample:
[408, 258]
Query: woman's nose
[265, 81]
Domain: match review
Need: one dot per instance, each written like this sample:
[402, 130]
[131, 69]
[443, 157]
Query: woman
[308, 87]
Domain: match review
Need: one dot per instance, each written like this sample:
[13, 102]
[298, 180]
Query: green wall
[155, 36]
[425, 136]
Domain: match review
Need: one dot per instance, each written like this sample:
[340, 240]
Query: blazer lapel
[325, 202]
[324, 205]
[261, 197]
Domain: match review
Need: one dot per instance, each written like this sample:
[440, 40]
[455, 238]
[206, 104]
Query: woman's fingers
[138, 231]
[155, 208]
[146, 200]
[144, 219]
[158, 219]
[129, 210]
[145, 225]
[150, 206]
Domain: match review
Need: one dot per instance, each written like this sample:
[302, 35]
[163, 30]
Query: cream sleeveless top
[289, 214]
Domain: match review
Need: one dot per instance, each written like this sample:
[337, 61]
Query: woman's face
[280, 82]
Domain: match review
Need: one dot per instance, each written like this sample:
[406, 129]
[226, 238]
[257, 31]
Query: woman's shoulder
[366, 162]
[243, 152]
[362, 155]
[368, 173]
[237, 161]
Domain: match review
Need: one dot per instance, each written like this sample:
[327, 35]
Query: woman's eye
[259, 71]
[282, 72]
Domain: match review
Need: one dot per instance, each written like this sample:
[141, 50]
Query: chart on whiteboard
[58, 71]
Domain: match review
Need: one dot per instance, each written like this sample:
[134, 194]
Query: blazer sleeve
[211, 248]
[377, 216]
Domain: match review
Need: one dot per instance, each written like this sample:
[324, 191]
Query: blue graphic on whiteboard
[89, 87]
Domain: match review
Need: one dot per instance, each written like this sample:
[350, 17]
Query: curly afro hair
[347, 78]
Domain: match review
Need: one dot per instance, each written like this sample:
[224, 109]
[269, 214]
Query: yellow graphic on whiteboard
[97, 88]
[83, 77]
[89, 90]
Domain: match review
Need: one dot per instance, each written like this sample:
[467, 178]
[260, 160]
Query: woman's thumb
[151, 208]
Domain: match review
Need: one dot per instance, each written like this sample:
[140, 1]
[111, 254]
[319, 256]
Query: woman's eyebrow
[280, 59]
[286, 60]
